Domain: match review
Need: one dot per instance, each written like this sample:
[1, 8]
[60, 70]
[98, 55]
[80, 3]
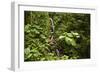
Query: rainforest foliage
[56, 36]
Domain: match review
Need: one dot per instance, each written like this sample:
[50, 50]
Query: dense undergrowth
[68, 38]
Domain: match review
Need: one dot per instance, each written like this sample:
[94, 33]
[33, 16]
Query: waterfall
[52, 25]
[52, 36]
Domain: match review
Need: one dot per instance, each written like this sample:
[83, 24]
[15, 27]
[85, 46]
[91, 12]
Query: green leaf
[64, 57]
[35, 31]
[68, 40]
[27, 27]
[73, 42]
[61, 37]
[75, 33]
[42, 36]
[34, 50]
[36, 55]
[42, 59]
[69, 35]
[27, 51]
[29, 55]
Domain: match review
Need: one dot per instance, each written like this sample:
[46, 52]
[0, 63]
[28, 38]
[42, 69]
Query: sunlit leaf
[29, 55]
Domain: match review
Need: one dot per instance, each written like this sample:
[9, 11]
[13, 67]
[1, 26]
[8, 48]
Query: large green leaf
[68, 40]
[69, 35]
[61, 37]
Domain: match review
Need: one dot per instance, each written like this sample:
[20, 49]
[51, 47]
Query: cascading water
[52, 25]
[52, 35]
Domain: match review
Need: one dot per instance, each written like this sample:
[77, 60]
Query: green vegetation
[68, 38]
